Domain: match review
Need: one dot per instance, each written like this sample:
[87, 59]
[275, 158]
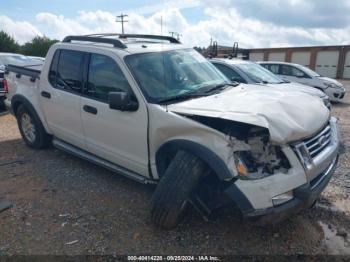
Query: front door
[117, 136]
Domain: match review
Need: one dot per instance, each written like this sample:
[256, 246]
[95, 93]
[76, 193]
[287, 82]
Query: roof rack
[125, 36]
[102, 38]
[115, 42]
[155, 37]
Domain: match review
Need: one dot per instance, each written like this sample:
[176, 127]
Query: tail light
[6, 86]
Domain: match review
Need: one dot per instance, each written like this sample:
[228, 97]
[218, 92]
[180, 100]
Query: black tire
[2, 105]
[41, 139]
[170, 199]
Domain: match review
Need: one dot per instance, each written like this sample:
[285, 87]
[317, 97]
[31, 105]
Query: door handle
[90, 109]
[46, 94]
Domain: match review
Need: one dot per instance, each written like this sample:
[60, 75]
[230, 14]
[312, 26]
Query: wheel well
[19, 100]
[209, 193]
[168, 150]
[164, 159]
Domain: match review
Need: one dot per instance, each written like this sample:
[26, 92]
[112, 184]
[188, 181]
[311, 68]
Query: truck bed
[29, 70]
[23, 80]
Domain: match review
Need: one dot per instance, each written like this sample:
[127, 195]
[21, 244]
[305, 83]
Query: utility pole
[175, 34]
[120, 19]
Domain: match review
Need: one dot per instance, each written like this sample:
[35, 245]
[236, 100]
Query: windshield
[259, 74]
[308, 71]
[18, 60]
[171, 74]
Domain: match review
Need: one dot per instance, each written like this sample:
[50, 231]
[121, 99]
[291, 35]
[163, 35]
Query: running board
[59, 144]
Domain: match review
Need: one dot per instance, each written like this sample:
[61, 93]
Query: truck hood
[301, 88]
[289, 116]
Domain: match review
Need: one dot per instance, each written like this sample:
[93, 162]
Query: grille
[312, 147]
[316, 144]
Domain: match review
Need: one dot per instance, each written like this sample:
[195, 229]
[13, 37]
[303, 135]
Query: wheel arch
[18, 100]
[167, 151]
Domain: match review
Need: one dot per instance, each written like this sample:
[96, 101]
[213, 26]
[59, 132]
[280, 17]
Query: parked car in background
[17, 59]
[306, 76]
[13, 59]
[42, 59]
[157, 111]
[243, 71]
[3, 88]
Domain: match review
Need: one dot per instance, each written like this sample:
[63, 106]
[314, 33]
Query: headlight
[331, 85]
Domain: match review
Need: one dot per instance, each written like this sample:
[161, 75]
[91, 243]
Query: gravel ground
[66, 206]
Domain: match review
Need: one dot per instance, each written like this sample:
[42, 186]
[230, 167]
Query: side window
[291, 71]
[104, 77]
[274, 68]
[230, 73]
[69, 74]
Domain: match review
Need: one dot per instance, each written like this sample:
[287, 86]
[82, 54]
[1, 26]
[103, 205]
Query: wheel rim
[28, 127]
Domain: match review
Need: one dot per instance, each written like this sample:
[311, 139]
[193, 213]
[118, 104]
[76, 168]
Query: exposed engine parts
[255, 157]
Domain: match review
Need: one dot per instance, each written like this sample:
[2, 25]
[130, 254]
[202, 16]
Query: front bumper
[336, 94]
[304, 197]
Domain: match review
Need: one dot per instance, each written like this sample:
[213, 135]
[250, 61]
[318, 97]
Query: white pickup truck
[158, 112]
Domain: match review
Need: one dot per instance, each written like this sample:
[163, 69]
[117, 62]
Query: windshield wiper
[197, 93]
[181, 97]
[221, 87]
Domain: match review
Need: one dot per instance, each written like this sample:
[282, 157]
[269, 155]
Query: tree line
[38, 46]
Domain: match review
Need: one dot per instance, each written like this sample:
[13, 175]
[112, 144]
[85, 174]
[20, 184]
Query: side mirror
[122, 101]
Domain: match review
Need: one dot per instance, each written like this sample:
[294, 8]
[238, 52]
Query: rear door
[117, 136]
[61, 97]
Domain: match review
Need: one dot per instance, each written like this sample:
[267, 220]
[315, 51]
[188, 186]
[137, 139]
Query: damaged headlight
[259, 159]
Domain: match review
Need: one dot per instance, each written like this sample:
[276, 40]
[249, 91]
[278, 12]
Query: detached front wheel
[171, 197]
[31, 129]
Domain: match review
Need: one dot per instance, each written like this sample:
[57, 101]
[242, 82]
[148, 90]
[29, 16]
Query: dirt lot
[64, 205]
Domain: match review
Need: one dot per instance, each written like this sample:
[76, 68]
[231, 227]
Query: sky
[251, 23]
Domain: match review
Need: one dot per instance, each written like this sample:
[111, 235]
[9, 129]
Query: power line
[120, 19]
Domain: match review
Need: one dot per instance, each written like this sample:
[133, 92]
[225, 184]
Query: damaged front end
[254, 155]
[254, 158]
